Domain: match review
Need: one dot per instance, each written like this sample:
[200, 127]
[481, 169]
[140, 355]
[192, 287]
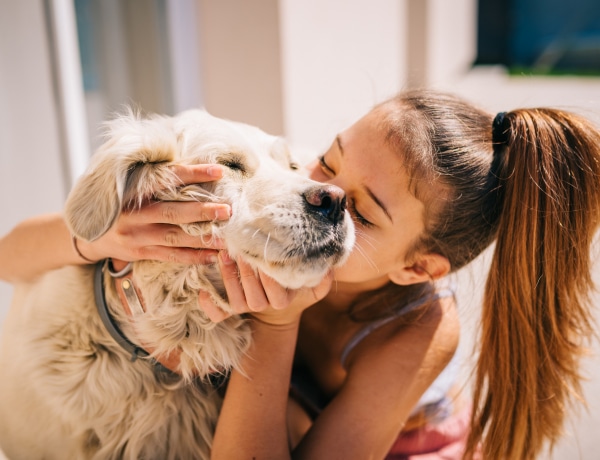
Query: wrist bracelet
[74, 240]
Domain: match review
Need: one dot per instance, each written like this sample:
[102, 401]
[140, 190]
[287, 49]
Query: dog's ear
[114, 176]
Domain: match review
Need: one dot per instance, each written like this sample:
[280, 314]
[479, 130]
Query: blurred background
[303, 69]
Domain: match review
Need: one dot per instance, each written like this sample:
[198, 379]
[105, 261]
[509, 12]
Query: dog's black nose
[328, 200]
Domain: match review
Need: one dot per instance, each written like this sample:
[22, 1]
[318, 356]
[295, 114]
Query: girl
[431, 181]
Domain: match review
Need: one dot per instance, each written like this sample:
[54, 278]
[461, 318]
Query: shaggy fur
[68, 390]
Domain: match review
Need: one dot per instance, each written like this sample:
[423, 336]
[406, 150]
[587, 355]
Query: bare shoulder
[388, 372]
[416, 351]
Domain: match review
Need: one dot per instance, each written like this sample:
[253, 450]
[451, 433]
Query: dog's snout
[328, 200]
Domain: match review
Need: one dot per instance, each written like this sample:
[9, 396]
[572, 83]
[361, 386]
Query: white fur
[68, 390]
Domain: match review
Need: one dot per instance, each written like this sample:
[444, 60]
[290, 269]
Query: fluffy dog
[82, 382]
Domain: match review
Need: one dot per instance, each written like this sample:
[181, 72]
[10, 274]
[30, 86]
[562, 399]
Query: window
[540, 36]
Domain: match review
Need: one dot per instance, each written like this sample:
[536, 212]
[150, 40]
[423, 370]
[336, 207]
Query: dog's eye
[294, 166]
[234, 165]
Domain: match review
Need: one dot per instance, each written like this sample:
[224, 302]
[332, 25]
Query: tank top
[434, 402]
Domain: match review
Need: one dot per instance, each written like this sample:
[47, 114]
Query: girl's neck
[343, 294]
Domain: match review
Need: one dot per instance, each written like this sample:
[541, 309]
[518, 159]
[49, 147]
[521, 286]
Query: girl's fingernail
[218, 243]
[225, 258]
[215, 171]
[222, 213]
[212, 259]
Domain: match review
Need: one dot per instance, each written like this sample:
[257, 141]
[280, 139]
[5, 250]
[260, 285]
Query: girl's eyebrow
[339, 144]
[378, 203]
[367, 189]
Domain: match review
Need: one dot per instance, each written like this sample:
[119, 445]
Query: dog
[105, 365]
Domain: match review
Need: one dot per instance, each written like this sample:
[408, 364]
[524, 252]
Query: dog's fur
[68, 390]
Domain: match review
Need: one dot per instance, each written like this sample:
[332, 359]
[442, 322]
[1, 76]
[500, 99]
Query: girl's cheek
[317, 174]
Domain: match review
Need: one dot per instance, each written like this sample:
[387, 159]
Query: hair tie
[500, 130]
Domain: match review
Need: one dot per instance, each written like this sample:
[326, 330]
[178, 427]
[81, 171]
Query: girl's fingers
[179, 212]
[214, 313]
[186, 256]
[256, 298]
[278, 297]
[173, 236]
[231, 281]
[195, 174]
[320, 291]
[257, 293]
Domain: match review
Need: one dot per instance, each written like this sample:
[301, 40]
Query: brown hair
[539, 196]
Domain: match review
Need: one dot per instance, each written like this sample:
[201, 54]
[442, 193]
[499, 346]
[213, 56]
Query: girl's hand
[153, 232]
[261, 295]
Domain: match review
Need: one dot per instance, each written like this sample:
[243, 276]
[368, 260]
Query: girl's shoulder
[395, 366]
[410, 356]
[436, 307]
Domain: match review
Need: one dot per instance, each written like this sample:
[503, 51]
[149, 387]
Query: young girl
[431, 181]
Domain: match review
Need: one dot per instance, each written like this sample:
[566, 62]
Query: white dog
[82, 347]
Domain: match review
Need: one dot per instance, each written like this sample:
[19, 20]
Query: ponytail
[533, 184]
[536, 314]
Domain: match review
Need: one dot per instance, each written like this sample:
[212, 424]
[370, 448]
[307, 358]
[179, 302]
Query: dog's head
[292, 228]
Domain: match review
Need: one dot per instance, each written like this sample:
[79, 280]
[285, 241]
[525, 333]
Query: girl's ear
[425, 268]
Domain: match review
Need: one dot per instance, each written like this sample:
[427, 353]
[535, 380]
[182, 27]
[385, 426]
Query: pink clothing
[443, 440]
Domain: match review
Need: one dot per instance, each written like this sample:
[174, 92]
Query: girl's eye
[324, 166]
[357, 216]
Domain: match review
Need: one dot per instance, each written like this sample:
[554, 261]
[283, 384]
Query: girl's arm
[35, 246]
[44, 243]
[387, 374]
[253, 421]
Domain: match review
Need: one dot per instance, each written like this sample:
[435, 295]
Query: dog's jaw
[294, 261]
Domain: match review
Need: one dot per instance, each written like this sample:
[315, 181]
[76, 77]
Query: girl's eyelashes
[324, 166]
[357, 216]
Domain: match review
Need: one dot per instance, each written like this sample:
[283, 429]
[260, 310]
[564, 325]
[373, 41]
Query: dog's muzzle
[328, 201]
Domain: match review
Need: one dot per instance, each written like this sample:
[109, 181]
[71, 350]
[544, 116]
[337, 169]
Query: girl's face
[388, 217]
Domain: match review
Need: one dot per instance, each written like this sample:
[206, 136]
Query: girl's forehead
[367, 132]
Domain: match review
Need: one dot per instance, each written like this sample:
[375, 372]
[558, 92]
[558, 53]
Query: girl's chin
[359, 278]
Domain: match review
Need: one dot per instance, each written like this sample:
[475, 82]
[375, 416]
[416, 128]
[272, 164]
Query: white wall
[32, 179]
[339, 58]
[241, 61]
